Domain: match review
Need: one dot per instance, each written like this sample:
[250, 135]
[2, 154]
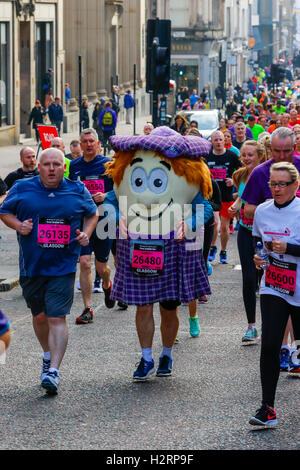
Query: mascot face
[154, 195]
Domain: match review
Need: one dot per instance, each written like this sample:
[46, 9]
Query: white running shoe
[98, 286]
[51, 382]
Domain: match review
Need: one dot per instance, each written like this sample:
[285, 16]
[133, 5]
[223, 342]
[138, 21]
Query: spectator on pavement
[67, 95]
[128, 105]
[47, 87]
[115, 101]
[37, 117]
[108, 122]
[84, 115]
[56, 114]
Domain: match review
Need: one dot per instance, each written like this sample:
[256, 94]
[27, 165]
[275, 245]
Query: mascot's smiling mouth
[155, 217]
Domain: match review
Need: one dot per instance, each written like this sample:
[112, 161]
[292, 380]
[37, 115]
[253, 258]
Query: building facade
[237, 40]
[273, 29]
[209, 41]
[110, 36]
[197, 34]
[31, 41]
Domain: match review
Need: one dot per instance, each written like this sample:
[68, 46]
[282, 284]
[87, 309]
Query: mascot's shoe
[144, 370]
[51, 382]
[164, 367]
[108, 301]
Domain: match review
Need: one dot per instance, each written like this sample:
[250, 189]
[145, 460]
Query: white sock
[166, 352]
[47, 356]
[286, 346]
[147, 354]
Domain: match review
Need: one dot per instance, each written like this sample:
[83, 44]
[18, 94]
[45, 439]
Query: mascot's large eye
[139, 180]
[158, 181]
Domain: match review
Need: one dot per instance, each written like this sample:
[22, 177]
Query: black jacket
[36, 116]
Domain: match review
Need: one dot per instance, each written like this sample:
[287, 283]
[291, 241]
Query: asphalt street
[204, 405]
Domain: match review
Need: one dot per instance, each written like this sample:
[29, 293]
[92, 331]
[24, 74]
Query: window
[179, 13]
[44, 53]
[4, 74]
[228, 22]
[266, 10]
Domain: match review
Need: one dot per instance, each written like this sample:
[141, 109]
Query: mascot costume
[161, 192]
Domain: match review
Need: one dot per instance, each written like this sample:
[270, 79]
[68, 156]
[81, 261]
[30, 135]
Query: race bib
[147, 258]
[247, 222]
[94, 184]
[54, 233]
[281, 276]
[219, 174]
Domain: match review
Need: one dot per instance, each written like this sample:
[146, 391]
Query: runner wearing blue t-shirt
[53, 218]
[90, 170]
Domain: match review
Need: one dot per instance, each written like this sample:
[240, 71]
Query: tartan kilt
[184, 276]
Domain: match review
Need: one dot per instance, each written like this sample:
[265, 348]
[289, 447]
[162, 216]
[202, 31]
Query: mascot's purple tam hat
[164, 140]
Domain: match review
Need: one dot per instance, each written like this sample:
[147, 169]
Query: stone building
[209, 41]
[109, 35]
[273, 30]
[31, 41]
[36, 35]
[236, 32]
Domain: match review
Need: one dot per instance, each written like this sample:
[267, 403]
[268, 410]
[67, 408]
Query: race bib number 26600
[281, 276]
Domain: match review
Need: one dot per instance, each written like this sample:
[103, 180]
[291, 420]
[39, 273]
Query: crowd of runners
[252, 161]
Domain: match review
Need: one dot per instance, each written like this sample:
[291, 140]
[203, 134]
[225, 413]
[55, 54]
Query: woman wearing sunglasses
[277, 225]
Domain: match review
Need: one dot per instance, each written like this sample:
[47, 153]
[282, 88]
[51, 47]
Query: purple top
[248, 132]
[257, 190]
[163, 140]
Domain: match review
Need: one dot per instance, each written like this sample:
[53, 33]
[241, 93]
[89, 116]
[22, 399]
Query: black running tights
[275, 312]
[208, 236]
[249, 272]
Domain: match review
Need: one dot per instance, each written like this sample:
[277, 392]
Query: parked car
[208, 120]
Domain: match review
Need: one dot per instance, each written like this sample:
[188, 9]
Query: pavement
[205, 405]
